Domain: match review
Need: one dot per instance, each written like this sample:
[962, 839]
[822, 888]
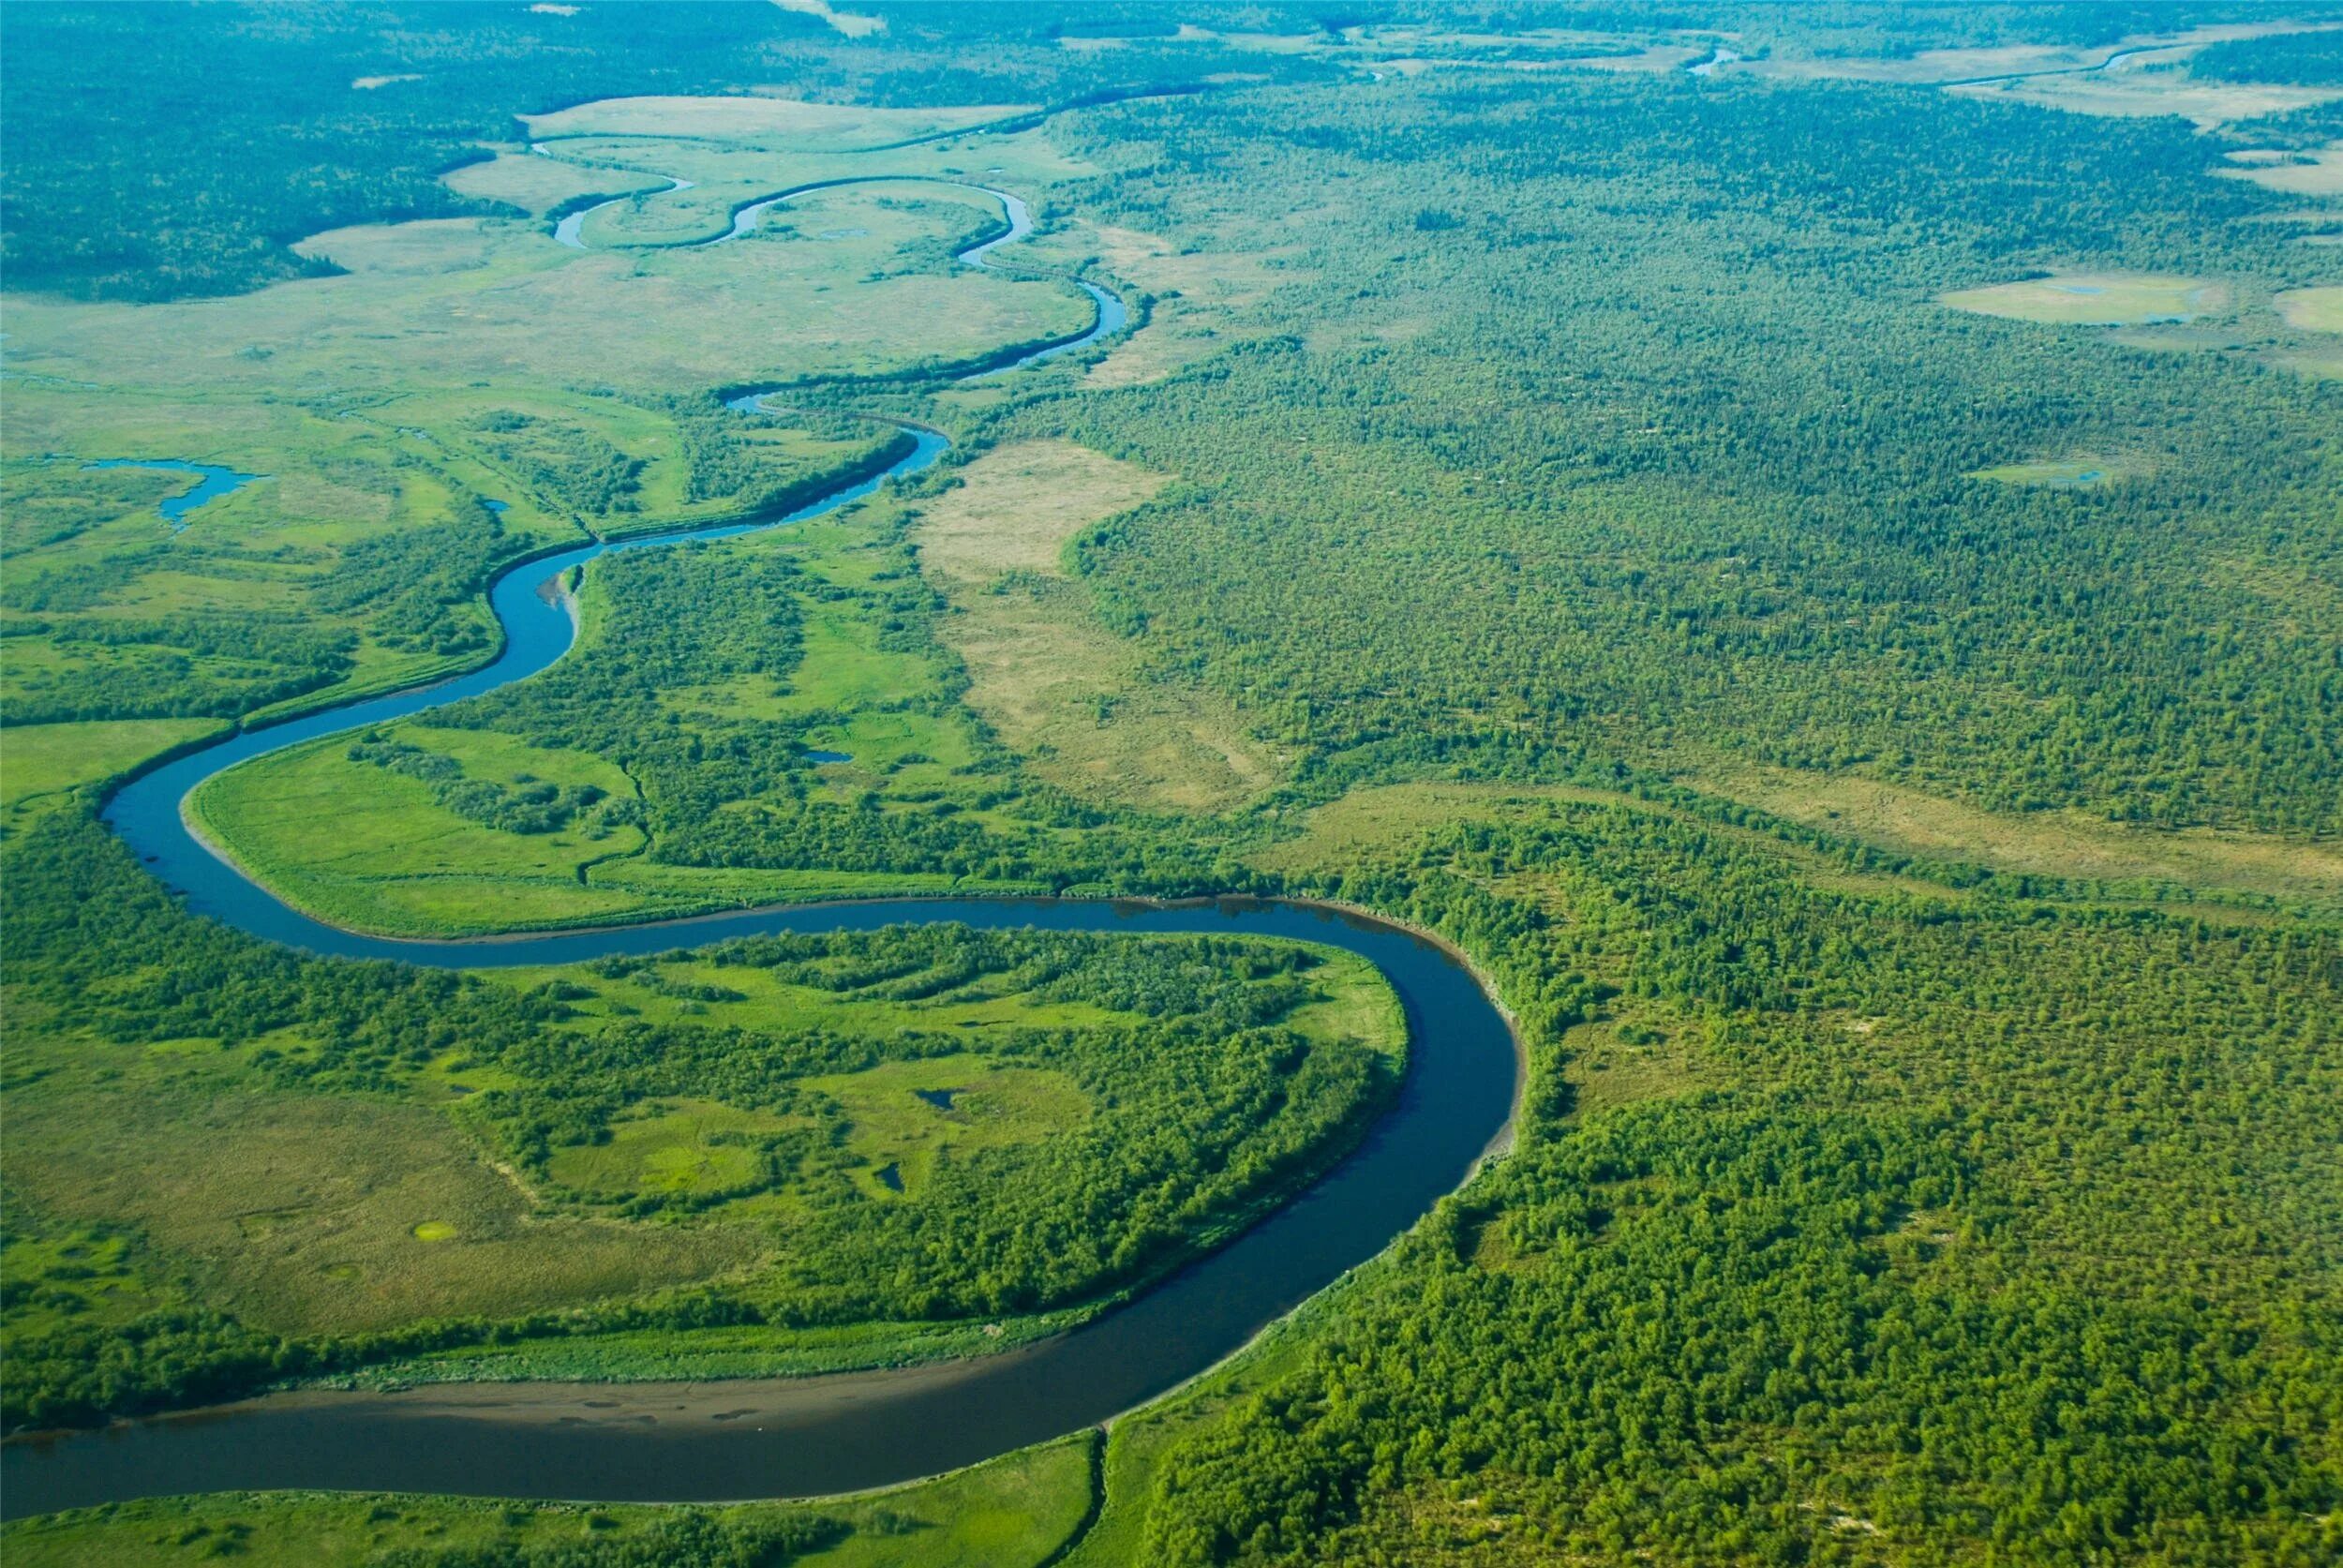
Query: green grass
[668, 1146]
[362, 845]
[2065, 473]
[995, 1106]
[40, 763]
[1010, 1513]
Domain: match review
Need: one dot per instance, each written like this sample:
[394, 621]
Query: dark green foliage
[218, 663]
[527, 806]
[1963, 1252]
[570, 467]
[416, 585]
[1682, 458]
[2299, 59]
[703, 1540]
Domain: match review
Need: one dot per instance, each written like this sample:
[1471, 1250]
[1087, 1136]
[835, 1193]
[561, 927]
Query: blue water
[570, 231]
[829, 757]
[216, 482]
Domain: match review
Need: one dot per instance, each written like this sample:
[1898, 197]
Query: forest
[1818, 574]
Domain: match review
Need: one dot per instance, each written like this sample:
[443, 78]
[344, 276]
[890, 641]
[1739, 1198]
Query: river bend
[803, 1436]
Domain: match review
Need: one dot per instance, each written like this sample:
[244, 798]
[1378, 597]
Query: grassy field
[2313, 309]
[2063, 473]
[1052, 681]
[40, 764]
[364, 845]
[1010, 1513]
[2318, 174]
[2095, 299]
[537, 184]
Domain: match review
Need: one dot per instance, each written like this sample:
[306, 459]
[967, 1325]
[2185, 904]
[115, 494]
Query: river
[805, 1436]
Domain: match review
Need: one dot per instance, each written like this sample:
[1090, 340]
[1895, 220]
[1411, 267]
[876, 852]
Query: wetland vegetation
[1819, 578]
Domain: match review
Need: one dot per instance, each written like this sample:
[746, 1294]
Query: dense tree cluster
[1978, 1238]
[527, 805]
[1670, 451]
[1202, 1099]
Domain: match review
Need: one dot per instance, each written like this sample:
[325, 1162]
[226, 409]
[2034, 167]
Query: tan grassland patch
[424, 248]
[847, 23]
[2120, 95]
[2313, 309]
[1942, 67]
[1206, 277]
[1051, 682]
[538, 185]
[2052, 843]
[310, 1214]
[2319, 173]
[2093, 298]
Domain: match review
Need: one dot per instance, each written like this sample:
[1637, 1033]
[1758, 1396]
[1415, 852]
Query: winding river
[803, 1436]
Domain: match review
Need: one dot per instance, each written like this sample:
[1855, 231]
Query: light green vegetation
[898, 1130]
[366, 845]
[537, 184]
[1010, 1513]
[564, 1140]
[2095, 299]
[40, 763]
[2313, 309]
[2064, 473]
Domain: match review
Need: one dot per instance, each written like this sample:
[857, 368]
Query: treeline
[570, 466]
[220, 664]
[1949, 1226]
[2293, 59]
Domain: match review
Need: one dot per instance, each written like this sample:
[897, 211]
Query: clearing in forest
[1052, 683]
[2313, 309]
[2098, 299]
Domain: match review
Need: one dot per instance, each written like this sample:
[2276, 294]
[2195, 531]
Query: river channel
[805, 1436]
